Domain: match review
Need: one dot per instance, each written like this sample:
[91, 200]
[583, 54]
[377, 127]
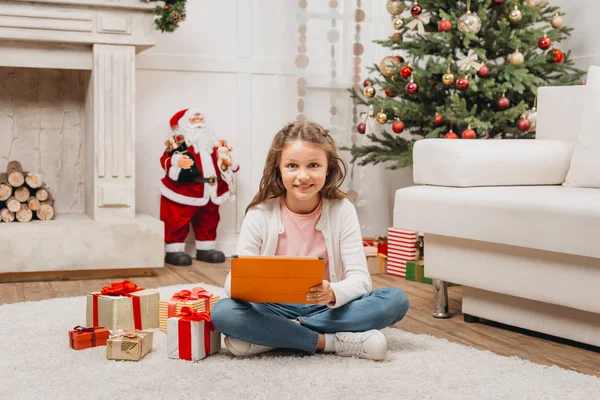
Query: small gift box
[401, 249]
[415, 271]
[131, 346]
[81, 337]
[198, 299]
[123, 305]
[192, 336]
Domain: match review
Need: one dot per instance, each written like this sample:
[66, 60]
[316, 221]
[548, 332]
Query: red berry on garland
[503, 103]
[523, 125]
[444, 25]
[412, 88]
[438, 119]
[366, 83]
[468, 134]
[462, 84]
[556, 56]
[544, 43]
[450, 135]
[405, 71]
[398, 126]
[483, 72]
[416, 10]
[390, 93]
[166, 7]
[361, 128]
[400, 59]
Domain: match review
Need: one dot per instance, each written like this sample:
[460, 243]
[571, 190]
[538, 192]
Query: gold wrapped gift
[198, 305]
[131, 346]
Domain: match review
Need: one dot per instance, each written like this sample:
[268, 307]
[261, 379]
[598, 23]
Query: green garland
[170, 15]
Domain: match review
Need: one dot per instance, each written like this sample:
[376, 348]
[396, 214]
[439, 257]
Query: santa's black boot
[178, 258]
[210, 256]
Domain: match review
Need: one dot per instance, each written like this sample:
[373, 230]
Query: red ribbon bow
[124, 288]
[186, 317]
[185, 295]
[189, 314]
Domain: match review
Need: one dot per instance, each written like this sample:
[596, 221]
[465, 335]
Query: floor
[499, 339]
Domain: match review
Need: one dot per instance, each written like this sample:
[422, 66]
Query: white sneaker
[371, 344]
[240, 348]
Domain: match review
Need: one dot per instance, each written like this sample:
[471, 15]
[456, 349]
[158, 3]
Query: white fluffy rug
[37, 362]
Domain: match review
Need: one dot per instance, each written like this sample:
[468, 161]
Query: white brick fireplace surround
[67, 108]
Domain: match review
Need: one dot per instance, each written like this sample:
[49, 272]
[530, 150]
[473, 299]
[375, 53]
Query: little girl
[299, 210]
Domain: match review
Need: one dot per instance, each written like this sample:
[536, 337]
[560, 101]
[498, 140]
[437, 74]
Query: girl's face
[303, 170]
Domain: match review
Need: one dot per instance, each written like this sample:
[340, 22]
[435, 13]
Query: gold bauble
[448, 78]
[369, 91]
[536, 3]
[389, 66]
[531, 116]
[516, 58]
[381, 117]
[469, 23]
[515, 15]
[395, 7]
[556, 21]
[398, 23]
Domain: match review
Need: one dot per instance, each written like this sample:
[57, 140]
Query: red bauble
[544, 43]
[400, 59]
[361, 128]
[397, 36]
[503, 103]
[366, 83]
[398, 126]
[416, 10]
[523, 125]
[498, 1]
[462, 84]
[450, 135]
[405, 71]
[438, 120]
[556, 56]
[412, 88]
[444, 25]
[483, 72]
[390, 93]
[468, 134]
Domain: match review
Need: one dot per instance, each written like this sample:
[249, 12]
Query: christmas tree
[472, 70]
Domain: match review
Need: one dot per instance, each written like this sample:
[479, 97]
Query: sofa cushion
[552, 218]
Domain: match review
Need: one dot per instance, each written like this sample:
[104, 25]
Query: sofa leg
[470, 318]
[440, 295]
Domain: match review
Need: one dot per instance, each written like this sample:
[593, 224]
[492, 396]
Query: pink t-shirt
[300, 236]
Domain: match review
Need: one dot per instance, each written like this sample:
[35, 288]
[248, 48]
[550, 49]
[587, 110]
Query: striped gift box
[401, 249]
[163, 309]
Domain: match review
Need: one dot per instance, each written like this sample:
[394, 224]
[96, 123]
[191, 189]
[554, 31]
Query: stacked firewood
[23, 196]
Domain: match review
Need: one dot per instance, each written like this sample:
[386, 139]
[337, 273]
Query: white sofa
[497, 219]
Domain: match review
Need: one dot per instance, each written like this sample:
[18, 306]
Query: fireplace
[67, 109]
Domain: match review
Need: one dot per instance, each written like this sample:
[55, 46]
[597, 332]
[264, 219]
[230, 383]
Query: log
[22, 194]
[33, 204]
[33, 179]
[6, 215]
[24, 214]
[42, 193]
[5, 187]
[13, 204]
[14, 170]
[46, 211]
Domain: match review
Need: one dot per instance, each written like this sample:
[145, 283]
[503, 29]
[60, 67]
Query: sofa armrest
[464, 163]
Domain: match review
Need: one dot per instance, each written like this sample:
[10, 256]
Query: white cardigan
[349, 275]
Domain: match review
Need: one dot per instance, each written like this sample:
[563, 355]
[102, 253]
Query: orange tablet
[275, 279]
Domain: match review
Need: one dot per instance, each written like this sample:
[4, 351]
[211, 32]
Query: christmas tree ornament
[366, 83]
[444, 25]
[536, 3]
[406, 71]
[448, 78]
[498, 1]
[438, 119]
[544, 43]
[556, 56]
[397, 36]
[523, 125]
[420, 19]
[483, 72]
[361, 128]
[398, 23]
[389, 66]
[556, 21]
[412, 87]
[395, 7]
[515, 15]
[469, 61]
[531, 117]
[468, 133]
[398, 126]
[516, 58]
[503, 103]
[381, 117]
[450, 135]
[469, 23]
[390, 93]
[462, 84]
[369, 92]
[400, 59]
[416, 10]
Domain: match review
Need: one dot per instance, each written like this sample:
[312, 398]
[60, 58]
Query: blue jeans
[272, 324]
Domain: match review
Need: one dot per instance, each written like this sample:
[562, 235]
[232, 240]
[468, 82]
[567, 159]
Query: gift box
[379, 242]
[197, 299]
[415, 271]
[192, 336]
[123, 305]
[129, 346]
[401, 249]
[81, 337]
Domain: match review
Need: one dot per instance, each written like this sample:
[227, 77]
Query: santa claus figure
[198, 171]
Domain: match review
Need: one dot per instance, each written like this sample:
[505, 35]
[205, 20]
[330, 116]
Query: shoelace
[350, 345]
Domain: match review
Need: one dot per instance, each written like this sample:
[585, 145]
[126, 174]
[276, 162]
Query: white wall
[582, 15]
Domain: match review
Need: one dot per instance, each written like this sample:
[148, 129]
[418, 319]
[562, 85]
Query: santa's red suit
[194, 202]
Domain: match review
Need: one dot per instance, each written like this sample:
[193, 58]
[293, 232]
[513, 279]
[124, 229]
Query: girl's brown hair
[271, 185]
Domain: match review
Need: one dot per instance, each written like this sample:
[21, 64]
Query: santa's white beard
[200, 137]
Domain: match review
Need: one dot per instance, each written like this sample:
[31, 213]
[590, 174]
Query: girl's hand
[321, 294]
[185, 162]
